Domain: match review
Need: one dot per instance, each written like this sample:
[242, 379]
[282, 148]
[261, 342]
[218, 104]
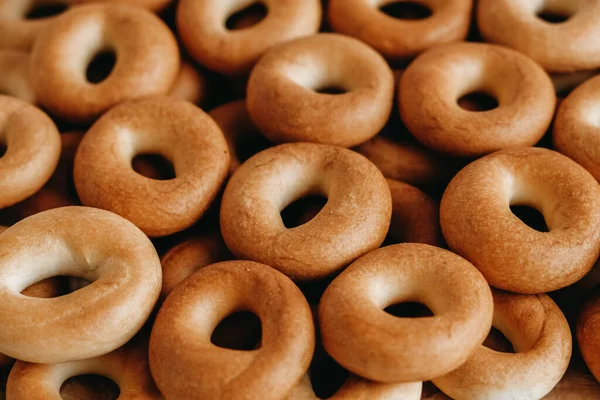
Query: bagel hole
[477, 101]
[153, 166]
[45, 10]
[326, 376]
[238, 331]
[408, 309]
[101, 66]
[247, 17]
[331, 90]
[55, 286]
[553, 17]
[302, 210]
[530, 217]
[406, 10]
[89, 387]
[3, 149]
[496, 340]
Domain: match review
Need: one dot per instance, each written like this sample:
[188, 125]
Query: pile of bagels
[299, 199]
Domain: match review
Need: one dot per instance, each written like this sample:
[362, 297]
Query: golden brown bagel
[541, 339]
[88, 243]
[126, 366]
[32, 150]
[397, 39]
[201, 26]
[354, 221]
[190, 85]
[283, 98]
[576, 127]
[186, 368]
[433, 83]
[147, 59]
[478, 224]
[559, 47]
[363, 338]
[588, 324]
[15, 78]
[175, 129]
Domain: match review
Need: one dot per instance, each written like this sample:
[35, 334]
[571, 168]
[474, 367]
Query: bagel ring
[559, 47]
[32, 150]
[588, 323]
[576, 127]
[541, 338]
[201, 26]
[126, 366]
[433, 83]
[147, 59]
[15, 79]
[179, 131]
[396, 39]
[364, 339]
[92, 244]
[478, 224]
[184, 368]
[283, 101]
[354, 221]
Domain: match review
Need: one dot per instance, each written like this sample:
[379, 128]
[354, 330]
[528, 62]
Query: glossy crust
[588, 324]
[564, 47]
[354, 221]
[186, 365]
[201, 26]
[15, 78]
[127, 367]
[32, 149]
[363, 338]
[541, 339]
[146, 52]
[433, 83]
[92, 244]
[576, 128]
[283, 101]
[190, 85]
[398, 39]
[177, 130]
[415, 215]
[478, 224]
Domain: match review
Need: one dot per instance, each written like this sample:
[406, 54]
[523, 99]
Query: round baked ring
[478, 224]
[175, 129]
[15, 79]
[397, 39]
[564, 47]
[542, 342]
[354, 221]
[364, 339]
[588, 324]
[88, 243]
[184, 368]
[201, 26]
[32, 150]
[576, 127]
[283, 101]
[147, 59]
[433, 83]
[127, 367]
[190, 85]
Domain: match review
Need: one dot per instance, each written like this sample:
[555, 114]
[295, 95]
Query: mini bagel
[283, 101]
[201, 26]
[478, 224]
[92, 244]
[559, 47]
[238, 129]
[576, 127]
[147, 59]
[189, 256]
[184, 368]
[152, 5]
[127, 367]
[364, 339]
[433, 83]
[190, 85]
[15, 80]
[415, 215]
[354, 221]
[173, 128]
[16, 30]
[397, 39]
[541, 338]
[588, 323]
[32, 149]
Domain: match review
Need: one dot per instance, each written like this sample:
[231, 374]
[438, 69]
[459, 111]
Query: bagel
[588, 323]
[15, 79]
